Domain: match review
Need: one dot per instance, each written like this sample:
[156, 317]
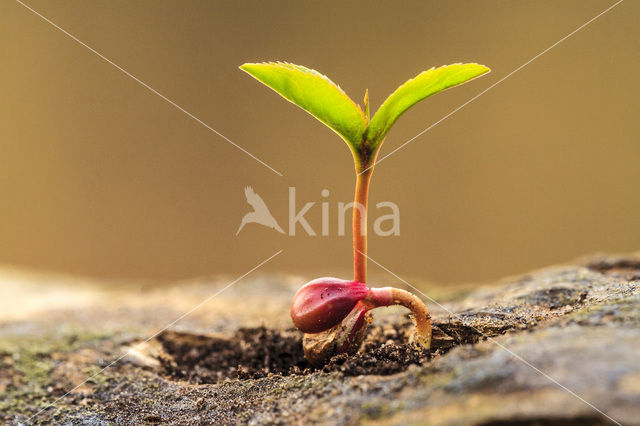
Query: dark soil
[252, 353]
[389, 358]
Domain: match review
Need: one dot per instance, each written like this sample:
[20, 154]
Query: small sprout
[334, 313]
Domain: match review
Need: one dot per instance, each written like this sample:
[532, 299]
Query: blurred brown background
[99, 176]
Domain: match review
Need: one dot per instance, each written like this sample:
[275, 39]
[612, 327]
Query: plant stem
[360, 226]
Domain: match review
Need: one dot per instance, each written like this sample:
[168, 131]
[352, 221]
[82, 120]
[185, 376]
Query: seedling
[334, 313]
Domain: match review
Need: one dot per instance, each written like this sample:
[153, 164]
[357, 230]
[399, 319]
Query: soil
[253, 353]
[250, 353]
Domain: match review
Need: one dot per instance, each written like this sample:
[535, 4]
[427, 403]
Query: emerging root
[421, 316]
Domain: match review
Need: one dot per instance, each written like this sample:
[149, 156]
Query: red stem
[360, 226]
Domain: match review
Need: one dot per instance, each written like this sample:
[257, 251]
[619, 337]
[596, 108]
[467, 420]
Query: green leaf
[413, 91]
[316, 94]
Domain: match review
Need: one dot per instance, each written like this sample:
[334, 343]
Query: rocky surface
[556, 346]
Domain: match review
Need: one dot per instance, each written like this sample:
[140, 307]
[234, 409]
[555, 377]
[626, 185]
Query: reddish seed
[325, 302]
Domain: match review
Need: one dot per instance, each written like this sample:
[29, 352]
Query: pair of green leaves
[325, 100]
